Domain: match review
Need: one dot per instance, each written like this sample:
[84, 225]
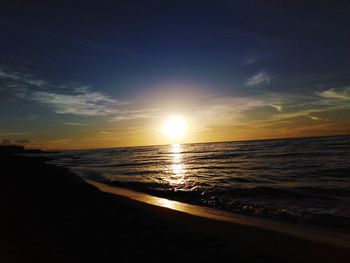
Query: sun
[175, 127]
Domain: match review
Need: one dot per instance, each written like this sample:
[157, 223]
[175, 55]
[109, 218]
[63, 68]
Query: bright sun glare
[175, 127]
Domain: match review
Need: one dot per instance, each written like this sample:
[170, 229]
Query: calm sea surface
[305, 181]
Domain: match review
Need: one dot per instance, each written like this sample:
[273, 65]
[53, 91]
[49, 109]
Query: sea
[303, 181]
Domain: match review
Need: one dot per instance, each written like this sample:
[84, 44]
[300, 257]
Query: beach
[51, 215]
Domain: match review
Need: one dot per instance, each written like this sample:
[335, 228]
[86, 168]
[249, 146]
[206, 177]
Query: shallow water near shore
[304, 181]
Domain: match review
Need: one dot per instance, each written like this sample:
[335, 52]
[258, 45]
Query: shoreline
[303, 232]
[50, 214]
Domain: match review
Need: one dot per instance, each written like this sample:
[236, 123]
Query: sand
[50, 215]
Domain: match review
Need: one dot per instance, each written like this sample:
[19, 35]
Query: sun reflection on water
[177, 168]
[175, 148]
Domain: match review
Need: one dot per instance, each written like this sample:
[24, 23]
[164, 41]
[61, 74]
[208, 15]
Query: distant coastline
[19, 149]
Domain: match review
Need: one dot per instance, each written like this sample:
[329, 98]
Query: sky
[110, 73]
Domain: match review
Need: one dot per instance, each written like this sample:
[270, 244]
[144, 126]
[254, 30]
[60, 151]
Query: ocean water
[305, 180]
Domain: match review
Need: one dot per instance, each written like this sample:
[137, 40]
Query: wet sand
[50, 215]
[304, 232]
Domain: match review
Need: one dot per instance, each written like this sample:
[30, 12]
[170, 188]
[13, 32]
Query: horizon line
[243, 140]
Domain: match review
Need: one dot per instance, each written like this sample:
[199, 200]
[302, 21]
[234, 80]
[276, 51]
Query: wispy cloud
[256, 58]
[146, 113]
[276, 107]
[76, 124]
[254, 111]
[21, 78]
[314, 118]
[72, 98]
[260, 110]
[105, 133]
[343, 93]
[261, 78]
[228, 108]
[85, 103]
[19, 84]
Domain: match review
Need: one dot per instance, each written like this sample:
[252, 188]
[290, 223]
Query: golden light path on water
[177, 169]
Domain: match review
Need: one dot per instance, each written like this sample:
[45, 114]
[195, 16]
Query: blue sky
[106, 73]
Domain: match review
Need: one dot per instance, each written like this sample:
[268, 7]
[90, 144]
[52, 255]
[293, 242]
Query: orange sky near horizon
[93, 137]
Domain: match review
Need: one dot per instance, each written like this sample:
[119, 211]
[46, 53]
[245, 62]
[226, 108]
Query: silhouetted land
[50, 215]
[17, 149]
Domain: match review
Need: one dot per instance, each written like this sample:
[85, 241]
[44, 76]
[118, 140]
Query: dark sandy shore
[50, 215]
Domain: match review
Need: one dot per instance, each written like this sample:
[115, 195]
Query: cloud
[256, 58]
[146, 113]
[260, 78]
[314, 118]
[105, 133]
[254, 111]
[71, 98]
[83, 102]
[76, 124]
[19, 84]
[276, 107]
[230, 109]
[87, 103]
[17, 79]
[343, 94]
[21, 77]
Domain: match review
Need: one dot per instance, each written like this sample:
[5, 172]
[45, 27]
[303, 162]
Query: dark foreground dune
[50, 215]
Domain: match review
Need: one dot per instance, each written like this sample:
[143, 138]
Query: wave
[242, 201]
[306, 180]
